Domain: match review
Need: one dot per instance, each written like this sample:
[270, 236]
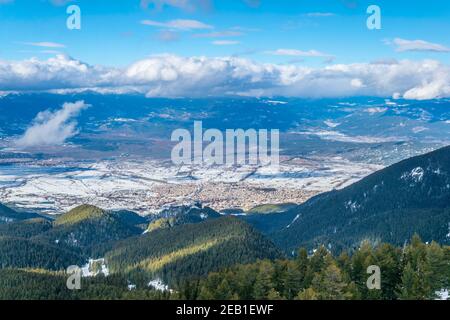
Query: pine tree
[263, 282]
[302, 261]
[436, 268]
[274, 295]
[409, 286]
[307, 294]
[329, 284]
[293, 280]
[388, 258]
[314, 265]
[223, 291]
[362, 259]
[415, 281]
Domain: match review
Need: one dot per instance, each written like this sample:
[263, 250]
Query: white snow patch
[276, 102]
[375, 110]
[331, 124]
[390, 103]
[159, 285]
[419, 129]
[88, 269]
[341, 137]
[416, 175]
[352, 205]
[6, 219]
[442, 294]
[293, 221]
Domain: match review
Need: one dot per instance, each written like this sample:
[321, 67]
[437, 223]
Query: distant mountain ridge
[179, 215]
[8, 215]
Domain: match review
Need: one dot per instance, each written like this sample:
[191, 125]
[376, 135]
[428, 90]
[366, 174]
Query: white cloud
[357, 83]
[429, 90]
[175, 76]
[403, 45]
[59, 72]
[225, 42]
[396, 95]
[219, 34]
[320, 14]
[299, 53]
[179, 24]
[52, 128]
[45, 44]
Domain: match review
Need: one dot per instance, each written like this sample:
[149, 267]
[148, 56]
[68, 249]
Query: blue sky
[180, 48]
[112, 33]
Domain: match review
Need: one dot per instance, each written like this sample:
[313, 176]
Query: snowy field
[146, 186]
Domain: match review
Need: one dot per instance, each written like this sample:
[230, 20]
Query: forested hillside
[26, 253]
[44, 285]
[26, 228]
[191, 250]
[201, 254]
[89, 229]
[418, 271]
[412, 196]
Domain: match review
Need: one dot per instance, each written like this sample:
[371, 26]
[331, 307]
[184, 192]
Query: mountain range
[189, 242]
[412, 196]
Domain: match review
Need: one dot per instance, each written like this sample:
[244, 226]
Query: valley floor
[147, 186]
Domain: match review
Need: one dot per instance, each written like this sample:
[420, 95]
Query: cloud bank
[52, 128]
[175, 76]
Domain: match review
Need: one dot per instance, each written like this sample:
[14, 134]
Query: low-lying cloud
[52, 128]
[176, 76]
